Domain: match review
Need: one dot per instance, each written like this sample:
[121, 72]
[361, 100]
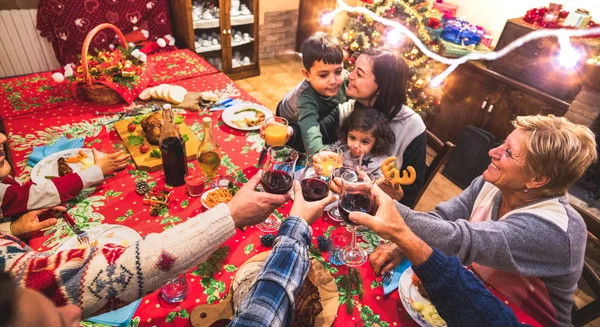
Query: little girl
[369, 131]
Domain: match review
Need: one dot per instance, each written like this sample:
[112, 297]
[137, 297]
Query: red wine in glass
[314, 189]
[277, 181]
[353, 202]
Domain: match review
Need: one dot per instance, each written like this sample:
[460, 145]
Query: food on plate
[245, 122]
[216, 196]
[429, 313]
[144, 148]
[308, 305]
[78, 158]
[63, 167]
[392, 173]
[170, 93]
[152, 126]
[419, 285]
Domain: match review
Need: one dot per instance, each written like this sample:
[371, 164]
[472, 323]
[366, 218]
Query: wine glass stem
[353, 245]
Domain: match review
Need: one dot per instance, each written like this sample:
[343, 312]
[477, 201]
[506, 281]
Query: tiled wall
[278, 33]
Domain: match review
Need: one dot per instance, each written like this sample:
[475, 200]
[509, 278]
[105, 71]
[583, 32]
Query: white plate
[105, 234]
[49, 167]
[409, 293]
[228, 115]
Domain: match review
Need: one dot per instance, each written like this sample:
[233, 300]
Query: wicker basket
[96, 92]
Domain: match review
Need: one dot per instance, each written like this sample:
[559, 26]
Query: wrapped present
[450, 49]
[449, 10]
[461, 32]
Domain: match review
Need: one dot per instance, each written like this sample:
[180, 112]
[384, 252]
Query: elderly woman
[514, 224]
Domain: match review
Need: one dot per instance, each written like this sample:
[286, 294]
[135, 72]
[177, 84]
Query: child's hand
[111, 162]
[290, 132]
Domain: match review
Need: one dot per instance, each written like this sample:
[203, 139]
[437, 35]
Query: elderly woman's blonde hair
[558, 149]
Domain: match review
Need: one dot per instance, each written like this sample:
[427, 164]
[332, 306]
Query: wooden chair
[591, 311]
[442, 153]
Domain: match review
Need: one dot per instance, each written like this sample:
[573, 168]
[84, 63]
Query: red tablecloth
[39, 92]
[115, 202]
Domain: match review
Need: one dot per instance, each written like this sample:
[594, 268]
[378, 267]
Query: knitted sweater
[17, 199]
[410, 147]
[460, 298]
[106, 277]
[536, 250]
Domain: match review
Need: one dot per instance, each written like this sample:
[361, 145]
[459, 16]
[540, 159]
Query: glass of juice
[194, 182]
[275, 131]
[277, 178]
[355, 196]
[314, 186]
[328, 159]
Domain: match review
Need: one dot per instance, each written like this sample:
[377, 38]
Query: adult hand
[309, 211]
[30, 223]
[110, 162]
[249, 207]
[386, 223]
[290, 132]
[388, 188]
[385, 258]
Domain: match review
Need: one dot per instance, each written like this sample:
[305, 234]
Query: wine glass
[277, 178]
[328, 159]
[355, 196]
[348, 161]
[314, 186]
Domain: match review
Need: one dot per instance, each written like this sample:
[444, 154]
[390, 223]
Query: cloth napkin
[119, 317]
[398, 270]
[40, 152]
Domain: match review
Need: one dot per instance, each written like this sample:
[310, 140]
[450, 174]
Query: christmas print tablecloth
[115, 202]
[39, 92]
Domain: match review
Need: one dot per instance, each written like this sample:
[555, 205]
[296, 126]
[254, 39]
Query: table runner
[115, 202]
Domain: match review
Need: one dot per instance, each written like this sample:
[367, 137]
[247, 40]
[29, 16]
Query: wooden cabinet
[475, 95]
[235, 51]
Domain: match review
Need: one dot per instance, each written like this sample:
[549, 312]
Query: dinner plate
[105, 234]
[203, 197]
[408, 294]
[49, 166]
[229, 115]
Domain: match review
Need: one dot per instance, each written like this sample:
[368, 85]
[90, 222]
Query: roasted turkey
[152, 126]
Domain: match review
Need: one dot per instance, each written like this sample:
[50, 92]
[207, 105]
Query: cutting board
[143, 161]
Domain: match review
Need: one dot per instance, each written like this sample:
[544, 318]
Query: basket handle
[86, 45]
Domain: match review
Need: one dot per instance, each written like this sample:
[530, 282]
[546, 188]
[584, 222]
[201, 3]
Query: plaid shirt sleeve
[270, 302]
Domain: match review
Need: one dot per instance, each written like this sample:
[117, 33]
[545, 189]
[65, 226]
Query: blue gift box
[461, 32]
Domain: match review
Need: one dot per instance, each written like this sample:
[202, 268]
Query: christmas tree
[362, 33]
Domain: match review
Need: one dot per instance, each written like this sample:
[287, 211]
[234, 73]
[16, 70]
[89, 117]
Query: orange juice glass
[276, 131]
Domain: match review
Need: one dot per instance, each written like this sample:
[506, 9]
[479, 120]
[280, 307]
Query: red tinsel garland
[535, 16]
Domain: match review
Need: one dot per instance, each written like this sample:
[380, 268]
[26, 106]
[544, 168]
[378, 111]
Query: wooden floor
[279, 75]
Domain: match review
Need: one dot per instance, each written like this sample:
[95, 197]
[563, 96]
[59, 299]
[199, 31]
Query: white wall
[492, 14]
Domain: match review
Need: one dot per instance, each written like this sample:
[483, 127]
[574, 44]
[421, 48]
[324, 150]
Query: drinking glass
[275, 131]
[194, 182]
[175, 290]
[275, 134]
[355, 196]
[314, 186]
[349, 161]
[328, 159]
[277, 178]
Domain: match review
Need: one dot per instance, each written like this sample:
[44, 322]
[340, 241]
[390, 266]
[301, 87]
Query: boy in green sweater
[311, 107]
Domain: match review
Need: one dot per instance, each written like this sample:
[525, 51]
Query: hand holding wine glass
[355, 196]
[310, 211]
[249, 207]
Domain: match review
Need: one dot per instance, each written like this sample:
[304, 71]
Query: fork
[387, 277]
[82, 237]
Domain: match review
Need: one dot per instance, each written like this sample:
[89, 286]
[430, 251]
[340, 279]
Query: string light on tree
[567, 56]
[394, 37]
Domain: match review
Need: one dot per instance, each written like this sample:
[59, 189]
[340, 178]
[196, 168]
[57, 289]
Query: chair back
[591, 311]
[442, 153]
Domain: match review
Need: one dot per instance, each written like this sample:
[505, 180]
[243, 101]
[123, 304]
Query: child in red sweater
[17, 199]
